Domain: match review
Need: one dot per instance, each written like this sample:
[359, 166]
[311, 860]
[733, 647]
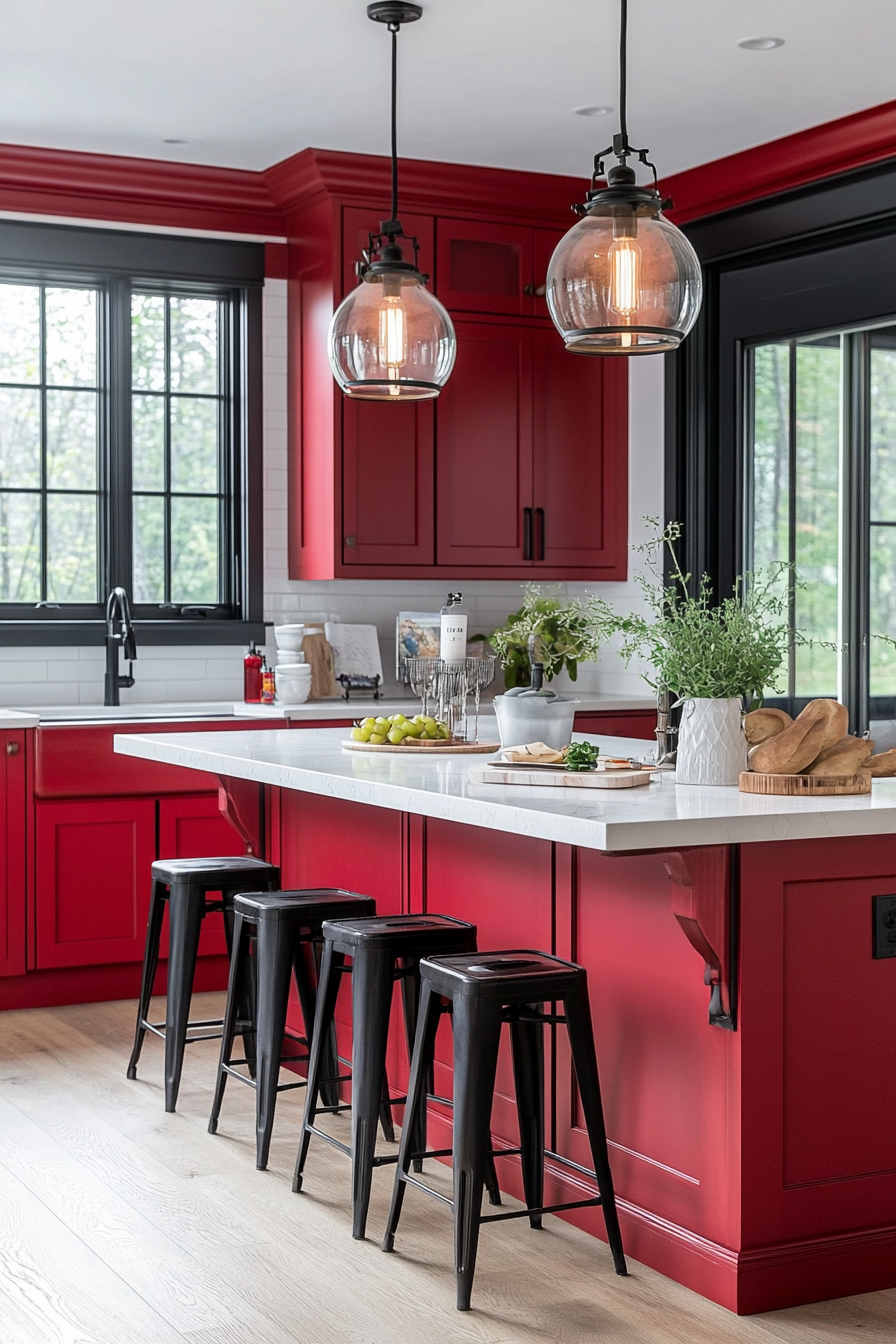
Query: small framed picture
[417, 635]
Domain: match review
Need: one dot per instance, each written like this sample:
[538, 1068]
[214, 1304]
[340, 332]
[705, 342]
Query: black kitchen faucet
[118, 610]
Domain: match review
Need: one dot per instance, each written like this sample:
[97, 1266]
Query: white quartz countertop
[660, 816]
[360, 708]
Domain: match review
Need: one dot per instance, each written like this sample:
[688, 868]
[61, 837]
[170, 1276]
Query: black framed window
[130, 387]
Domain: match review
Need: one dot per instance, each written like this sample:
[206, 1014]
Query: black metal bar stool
[284, 926]
[184, 885]
[383, 950]
[486, 990]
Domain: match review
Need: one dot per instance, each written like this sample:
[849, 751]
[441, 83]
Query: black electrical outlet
[884, 926]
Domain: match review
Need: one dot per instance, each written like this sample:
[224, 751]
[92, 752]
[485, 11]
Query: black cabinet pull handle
[527, 534]
[529, 290]
[539, 534]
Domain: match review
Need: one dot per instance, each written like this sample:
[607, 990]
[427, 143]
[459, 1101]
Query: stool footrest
[322, 1134]
[544, 1208]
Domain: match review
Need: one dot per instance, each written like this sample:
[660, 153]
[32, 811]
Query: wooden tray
[576, 779]
[804, 786]
[406, 748]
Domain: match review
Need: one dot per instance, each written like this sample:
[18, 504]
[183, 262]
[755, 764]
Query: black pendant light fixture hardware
[391, 339]
[624, 280]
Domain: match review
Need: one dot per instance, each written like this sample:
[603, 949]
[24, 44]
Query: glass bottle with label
[453, 631]
[252, 676]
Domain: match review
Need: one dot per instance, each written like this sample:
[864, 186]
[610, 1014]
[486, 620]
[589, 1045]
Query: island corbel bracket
[241, 801]
[704, 901]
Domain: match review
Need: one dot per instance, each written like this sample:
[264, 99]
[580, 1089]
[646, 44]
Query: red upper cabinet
[485, 447]
[494, 477]
[12, 851]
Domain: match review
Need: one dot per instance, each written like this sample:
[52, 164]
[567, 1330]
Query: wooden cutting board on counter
[319, 657]
[803, 786]
[576, 779]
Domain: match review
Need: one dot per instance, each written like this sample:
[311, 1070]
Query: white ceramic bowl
[293, 683]
[289, 636]
[294, 657]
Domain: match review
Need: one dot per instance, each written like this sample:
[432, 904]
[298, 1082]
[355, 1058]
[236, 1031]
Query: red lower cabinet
[627, 723]
[92, 880]
[12, 852]
[194, 828]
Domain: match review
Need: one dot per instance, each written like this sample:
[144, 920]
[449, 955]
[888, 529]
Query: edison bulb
[625, 277]
[390, 339]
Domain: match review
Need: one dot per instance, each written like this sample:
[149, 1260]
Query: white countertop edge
[360, 709]
[17, 718]
[634, 819]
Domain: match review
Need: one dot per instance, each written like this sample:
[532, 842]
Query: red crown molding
[780, 165]
[539, 198]
[135, 191]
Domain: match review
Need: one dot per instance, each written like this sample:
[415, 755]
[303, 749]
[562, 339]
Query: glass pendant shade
[624, 280]
[391, 339]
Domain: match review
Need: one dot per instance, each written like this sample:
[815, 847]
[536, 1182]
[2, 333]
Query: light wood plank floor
[120, 1224]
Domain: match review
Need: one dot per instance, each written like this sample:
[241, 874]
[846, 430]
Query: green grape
[377, 739]
[367, 723]
[358, 734]
[395, 736]
[414, 729]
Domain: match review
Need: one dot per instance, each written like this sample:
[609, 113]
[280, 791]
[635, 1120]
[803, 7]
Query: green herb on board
[581, 756]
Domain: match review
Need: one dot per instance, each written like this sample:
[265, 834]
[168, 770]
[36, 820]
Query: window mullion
[117, 446]
[44, 496]
[855, 514]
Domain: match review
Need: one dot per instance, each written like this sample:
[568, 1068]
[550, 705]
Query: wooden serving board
[803, 786]
[576, 779]
[406, 747]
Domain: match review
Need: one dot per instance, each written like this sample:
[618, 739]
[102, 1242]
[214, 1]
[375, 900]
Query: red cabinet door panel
[93, 880]
[194, 828]
[581, 458]
[387, 465]
[12, 852]
[482, 268]
[484, 447]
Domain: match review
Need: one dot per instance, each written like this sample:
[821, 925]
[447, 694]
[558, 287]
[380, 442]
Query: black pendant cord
[393, 29]
[623, 74]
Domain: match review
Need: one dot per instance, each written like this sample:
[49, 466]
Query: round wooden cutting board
[803, 786]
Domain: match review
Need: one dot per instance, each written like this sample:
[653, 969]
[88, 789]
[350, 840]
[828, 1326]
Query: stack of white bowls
[292, 675]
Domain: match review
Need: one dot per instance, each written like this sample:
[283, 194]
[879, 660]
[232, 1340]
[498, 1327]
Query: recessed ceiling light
[761, 43]
[175, 141]
[593, 110]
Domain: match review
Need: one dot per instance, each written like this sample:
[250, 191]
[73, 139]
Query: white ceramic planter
[712, 748]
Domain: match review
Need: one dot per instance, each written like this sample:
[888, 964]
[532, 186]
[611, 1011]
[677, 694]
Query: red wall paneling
[13, 745]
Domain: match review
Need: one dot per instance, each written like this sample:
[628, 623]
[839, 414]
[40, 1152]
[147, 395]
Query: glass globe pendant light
[391, 339]
[624, 280]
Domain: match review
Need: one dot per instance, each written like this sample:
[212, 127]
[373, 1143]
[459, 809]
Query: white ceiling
[249, 82]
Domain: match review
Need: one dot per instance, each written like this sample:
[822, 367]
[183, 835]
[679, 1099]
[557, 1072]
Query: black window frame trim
[120, 261]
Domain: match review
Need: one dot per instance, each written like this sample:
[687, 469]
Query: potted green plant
[714, 656]
[555, 633]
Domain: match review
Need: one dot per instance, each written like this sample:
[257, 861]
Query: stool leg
[429, 1012]
[150, 965]
[238, 960]
[308, 959]
[274, 958]
[527, 1045]
[491, 1174]
[410, 994]
[477, 1035]
[584, 1058]
[186, 909]
[372, 982]
[331, 967]
[247, 1008]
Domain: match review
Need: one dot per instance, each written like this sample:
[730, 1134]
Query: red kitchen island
[744, 1003]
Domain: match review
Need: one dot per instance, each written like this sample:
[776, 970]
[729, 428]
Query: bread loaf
[882, 765]
[846, 757]
[761, 724]
[835, 715]
[789, 752]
